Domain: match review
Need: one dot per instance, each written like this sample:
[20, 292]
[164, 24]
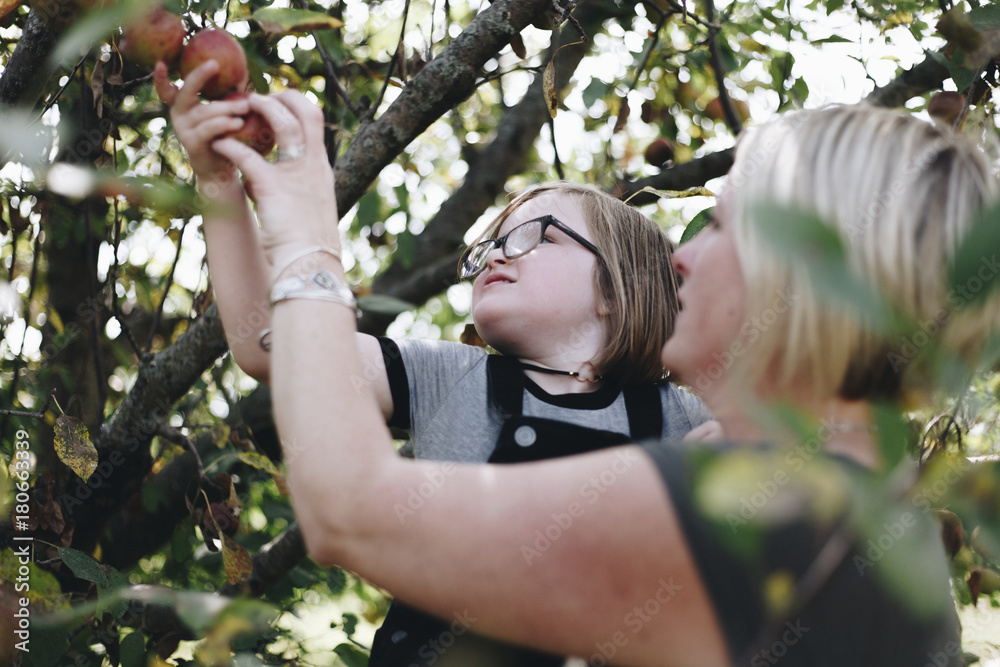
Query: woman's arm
[241, 274]
[582, 556]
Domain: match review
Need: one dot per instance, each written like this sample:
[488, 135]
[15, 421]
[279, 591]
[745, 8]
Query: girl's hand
[197, 124]
[294, 195]
[710, 431]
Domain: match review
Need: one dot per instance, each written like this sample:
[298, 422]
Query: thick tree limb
[28, 70]
[923, 77]
[679, 177]
[123, 443]
[444, 82]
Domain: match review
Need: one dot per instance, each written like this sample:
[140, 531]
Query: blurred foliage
[102, 265]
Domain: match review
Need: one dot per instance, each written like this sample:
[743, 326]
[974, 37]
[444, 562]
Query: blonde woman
[624, 555]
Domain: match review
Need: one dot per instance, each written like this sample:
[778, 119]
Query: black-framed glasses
[517, 242]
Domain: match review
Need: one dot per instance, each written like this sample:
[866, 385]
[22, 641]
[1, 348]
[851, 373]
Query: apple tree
[142, 473]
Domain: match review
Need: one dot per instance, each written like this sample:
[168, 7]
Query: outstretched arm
[241, 273]
[569, 556]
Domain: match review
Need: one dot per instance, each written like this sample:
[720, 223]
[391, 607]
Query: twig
[34, 415]
[95, 329]
[968, 97]
[171, 434]
[166, 289]
[400, 54]
[330, 69]
[555, 150]
[113, 276]
[19, 359]
[682, 9]
[664, 17]
[732, 120]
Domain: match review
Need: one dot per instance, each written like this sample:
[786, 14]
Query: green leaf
[350, 623]
[153, 496]
[81, 565]
[369, 210]
[406, 248]
[93, 27]
[48, 644]
[809, 242]
[133, 650]
[285, 21]
[893, 435]
[108, 588]
[696, 225]
[595, 91]
[986, 17]
[351, 655]
[893, 542]
[384, 304]
[832, 39]
[974, 268]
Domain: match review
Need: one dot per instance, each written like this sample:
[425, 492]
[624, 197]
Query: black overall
[411, 638]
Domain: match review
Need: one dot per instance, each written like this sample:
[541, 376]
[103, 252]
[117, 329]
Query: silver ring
[290, 153]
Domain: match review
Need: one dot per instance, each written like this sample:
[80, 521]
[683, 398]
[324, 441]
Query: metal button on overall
[525, 436]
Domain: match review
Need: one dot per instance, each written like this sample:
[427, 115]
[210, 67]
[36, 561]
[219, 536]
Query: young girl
[639, 566]
[572, 286]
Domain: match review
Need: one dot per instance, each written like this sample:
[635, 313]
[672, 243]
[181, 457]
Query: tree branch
[123, 442]
[923, 77]
[444, 82]
[274, 560]
[438, 247]
[28, 71]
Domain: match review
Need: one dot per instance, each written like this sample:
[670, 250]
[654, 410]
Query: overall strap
[506, 384]
[645, 411]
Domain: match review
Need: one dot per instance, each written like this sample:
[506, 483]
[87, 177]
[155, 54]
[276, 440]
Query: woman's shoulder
[773, 528]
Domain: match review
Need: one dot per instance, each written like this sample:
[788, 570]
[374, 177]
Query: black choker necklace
[552, 371]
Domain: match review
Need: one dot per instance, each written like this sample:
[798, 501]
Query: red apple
[256, 131]
[946, 106]
[218, 45]
[156, 35]
[659, 152]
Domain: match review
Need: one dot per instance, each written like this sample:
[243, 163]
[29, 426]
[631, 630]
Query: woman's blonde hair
[634, 279]
[901, 194]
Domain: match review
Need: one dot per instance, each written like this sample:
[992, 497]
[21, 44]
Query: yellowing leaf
[7, 6]
[74, 448]
[284, 21]
[236, 560]
[549, 85]
[259, 461]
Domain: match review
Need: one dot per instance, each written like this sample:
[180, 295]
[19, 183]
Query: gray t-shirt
[442, 400]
